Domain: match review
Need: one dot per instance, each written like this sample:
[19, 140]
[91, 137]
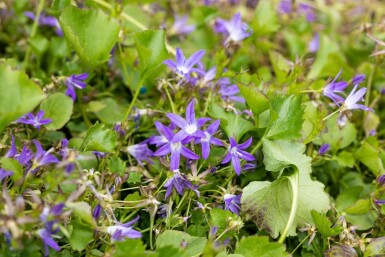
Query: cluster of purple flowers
[334, 90]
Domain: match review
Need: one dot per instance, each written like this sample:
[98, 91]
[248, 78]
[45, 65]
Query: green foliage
[82, 210]
[260, 246]
[324, 225]
[81, 235]
[18, 95]
[376, 247]
[152, 51]
[234, 125]
[100, 138]
[133, 247]
[268, 207]
[115, 164]
[102, 110]
[255, 99]
[194, 245]
[57, 107]
[82, 28]
[369, 154]
[265, 20]
[286, 117]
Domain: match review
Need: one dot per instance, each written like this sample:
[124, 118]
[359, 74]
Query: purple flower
[46, 235]
[229, 91]
[121, 231]
[24, 156]
[379, 202]
[209, 139]
[381, 180]
[182, 66]
[177, 181]
[12, 150]
[75, 81]
[140, 152]
[232, 203]
[45, 20]
[286, 7]
[235, 152]
[41, 157]
[335, 87]
[189, 126]
[35, 121]
[98, 154]
[180, 26]
[313, 45]
[176, 149]
[4, 174]
[350, 102]
[358, 79]
[164, 211]
[323, 149]
[235, 29]
[97, 211]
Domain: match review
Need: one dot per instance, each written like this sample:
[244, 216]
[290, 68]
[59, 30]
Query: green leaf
[102, 110]
[134, 247]
[324, 225]
[152, 51]
[270, 204]
[260, 246]
[234, 125]
[221, 218]
[13, 165]
[134, 177]
[115, 164]
[280, 154]
[286, 117]
[81, 236]
[18, 95]
[57, 107]
[376, 247]
[369, 155]
[92, 33]
[100, 138]
[313, 121]
[255, 99]
[168, 251]
[265, 19]
[341, 251]
[82, 210]
[338, 137]
[281, 66]
[329, 60]
[194, 245]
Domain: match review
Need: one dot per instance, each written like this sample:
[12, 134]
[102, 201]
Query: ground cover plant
[192, 128]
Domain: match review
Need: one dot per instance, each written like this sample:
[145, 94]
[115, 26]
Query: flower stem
[136, 94]
[299, 244]
[327, 117]
[294, 183]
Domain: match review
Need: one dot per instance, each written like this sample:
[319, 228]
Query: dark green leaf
[115, 164]
[81, 236]
[324, 225]
[131, 247]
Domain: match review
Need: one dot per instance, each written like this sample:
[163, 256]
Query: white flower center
[175, 147]
[191, 128]
[207, 138]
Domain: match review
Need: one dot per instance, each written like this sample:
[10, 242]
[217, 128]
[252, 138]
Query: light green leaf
[115, 164]
[280, 154]
[338, 137]
[18, 95]
[286, 117]
[265, 19]
[100, 138]
[57, 107]
[92, 33]
[81, 236]
[286, 203]
[234, 125]
[221, 218]
[131, 247]
[376, 247]
[324, 225]
[255, 99]
[341, 250]
[260, 246]
[194, 245]
[102, 110]
[281, 66]
[369, 155]
[313, 121]
[82, 210]
[13, 165]
[152, 50]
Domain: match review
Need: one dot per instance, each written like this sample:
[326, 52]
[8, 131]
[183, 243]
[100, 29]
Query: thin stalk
[299, 244]
[170, 99]
[136, 94]
[33, 31]
[294, 181]
[327, 117]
